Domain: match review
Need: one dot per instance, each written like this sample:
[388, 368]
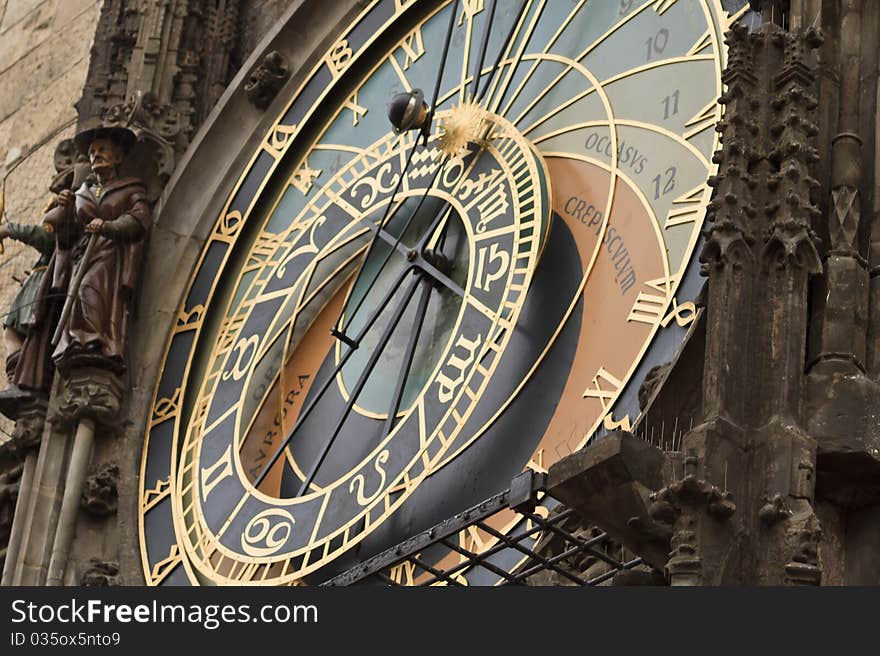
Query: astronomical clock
[456, 254]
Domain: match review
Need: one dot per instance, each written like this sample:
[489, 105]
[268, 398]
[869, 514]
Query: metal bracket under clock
[551, 544]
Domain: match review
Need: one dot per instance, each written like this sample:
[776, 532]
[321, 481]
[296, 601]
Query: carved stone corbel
[681, 506]
[266, 80]
[100, 496]
[28, 431]
[89, 393]
[101, 574]
[803, 535]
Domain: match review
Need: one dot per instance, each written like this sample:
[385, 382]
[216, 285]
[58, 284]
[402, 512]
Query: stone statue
[30, 321]
[101, 231]
[21, 316]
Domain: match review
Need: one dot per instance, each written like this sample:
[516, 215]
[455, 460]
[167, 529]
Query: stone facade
[44, 50]
[161, 67]
[762, 488]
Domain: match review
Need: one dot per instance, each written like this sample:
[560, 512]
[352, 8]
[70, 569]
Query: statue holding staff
[103, 227]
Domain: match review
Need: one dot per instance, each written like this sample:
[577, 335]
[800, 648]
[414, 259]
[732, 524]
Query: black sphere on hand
[408, 111]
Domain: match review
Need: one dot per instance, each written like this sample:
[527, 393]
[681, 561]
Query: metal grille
[544, 544]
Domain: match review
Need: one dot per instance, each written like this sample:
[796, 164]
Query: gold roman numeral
[304, 176]
[703, 119]
[604, 387]
[703, 42]
[469, 9]
[650, 306]
[404, 573]
[211, 476]
[687, 208]
[662, 6]
[357, 110]
[413, 47]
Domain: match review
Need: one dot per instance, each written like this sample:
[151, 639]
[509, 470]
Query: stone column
[784, 455]
[81, 397]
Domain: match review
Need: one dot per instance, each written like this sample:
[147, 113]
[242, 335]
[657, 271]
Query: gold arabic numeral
[357, 110]
[279, 138]
[303, 178]
[339, 58]
[500, 258]
[456, 366]
[154, 495]
[413, 47]
[404, 573]
[190, 319]
[211, 476]
[687, 208]
[247, 351]
[683, 314]
[662, 6]
[165, 408]
[468, 187]
[229, 226]
[357, 484]
[469, 9]
[164, 567]
[604, 387]
[702, 120]
[266, 533]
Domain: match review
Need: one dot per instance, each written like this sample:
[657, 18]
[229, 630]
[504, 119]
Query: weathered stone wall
[44, 56]
[257, 19]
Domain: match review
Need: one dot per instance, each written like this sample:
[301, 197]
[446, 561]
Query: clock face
[384, 328]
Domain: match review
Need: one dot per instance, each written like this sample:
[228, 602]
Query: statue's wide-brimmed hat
[122, 136]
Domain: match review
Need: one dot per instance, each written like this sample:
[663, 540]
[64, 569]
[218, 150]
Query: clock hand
[503, 49]
[361, 382]
[326, 385]
[409, 354]
[478, 62]
[439, 79]
[419, 259]
[338, 330]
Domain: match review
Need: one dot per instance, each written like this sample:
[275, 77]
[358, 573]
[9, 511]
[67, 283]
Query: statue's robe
[20, 316]
[96, 330]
